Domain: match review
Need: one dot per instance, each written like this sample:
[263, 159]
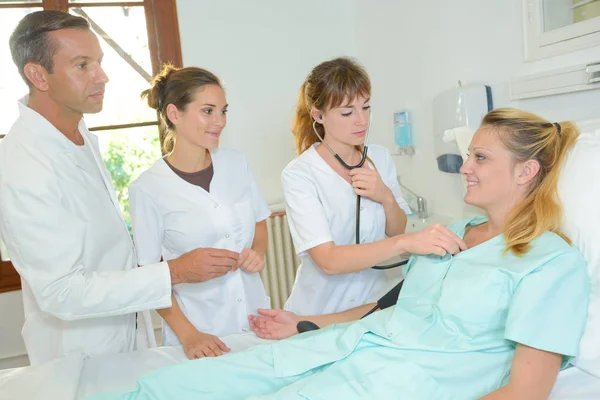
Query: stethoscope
[350, 167]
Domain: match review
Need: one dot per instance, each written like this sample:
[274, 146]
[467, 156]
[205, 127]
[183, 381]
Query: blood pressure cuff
[390, 298]
[387, 300]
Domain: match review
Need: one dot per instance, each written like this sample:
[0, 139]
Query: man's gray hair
[30, 42]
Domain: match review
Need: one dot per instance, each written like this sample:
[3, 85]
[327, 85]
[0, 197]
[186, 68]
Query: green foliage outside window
[127, 153]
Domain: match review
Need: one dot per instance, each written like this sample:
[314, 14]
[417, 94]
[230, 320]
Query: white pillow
[579, 191]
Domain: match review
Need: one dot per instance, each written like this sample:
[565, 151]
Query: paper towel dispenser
[462, 107]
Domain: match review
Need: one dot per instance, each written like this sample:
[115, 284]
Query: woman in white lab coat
[320, 195]
[200, 195]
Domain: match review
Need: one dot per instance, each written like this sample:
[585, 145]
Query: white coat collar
[46, 138]
[314, 159]
[219, 183]
[44, 134]
[161, 168]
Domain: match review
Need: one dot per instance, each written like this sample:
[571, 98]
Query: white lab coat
[61, 222]
[321, 208]
[171, 216]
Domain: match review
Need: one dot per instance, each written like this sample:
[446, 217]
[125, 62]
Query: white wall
[413, 50]
[263, 51]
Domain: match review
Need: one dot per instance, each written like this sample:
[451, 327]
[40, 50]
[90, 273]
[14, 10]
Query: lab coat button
[215, 205]
[227, 235]
[390, 334]
[244, 330]
[239, 300]
[352, 301]
[361, 208]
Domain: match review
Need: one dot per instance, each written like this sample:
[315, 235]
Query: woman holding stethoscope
[200, 196]
[321, 187]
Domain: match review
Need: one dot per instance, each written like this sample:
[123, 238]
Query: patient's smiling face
[494, 179]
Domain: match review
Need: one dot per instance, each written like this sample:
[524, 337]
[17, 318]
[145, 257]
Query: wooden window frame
[164, 45]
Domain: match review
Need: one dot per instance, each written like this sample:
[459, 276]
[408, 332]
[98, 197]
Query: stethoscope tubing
[351, 167]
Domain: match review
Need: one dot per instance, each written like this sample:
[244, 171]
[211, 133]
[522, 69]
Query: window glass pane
[561, 13]
[12, 86]
[33, 2]
[124, 40]
[127, 153]
[584, 10]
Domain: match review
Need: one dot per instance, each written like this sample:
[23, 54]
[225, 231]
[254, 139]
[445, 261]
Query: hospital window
[554, 27]
[137, 37]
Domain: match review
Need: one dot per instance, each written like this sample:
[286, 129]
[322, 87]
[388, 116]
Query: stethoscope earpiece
[333, 153]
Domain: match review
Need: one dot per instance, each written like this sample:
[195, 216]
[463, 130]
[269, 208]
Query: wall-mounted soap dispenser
[462, 107]
[403, 133]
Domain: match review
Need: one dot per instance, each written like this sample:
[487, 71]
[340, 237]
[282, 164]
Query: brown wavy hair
[327, 86]
[176, 86]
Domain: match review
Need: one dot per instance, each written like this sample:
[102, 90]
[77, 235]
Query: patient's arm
[532, 375]
[281, 324]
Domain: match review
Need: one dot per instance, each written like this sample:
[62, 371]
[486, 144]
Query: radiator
[281, 261]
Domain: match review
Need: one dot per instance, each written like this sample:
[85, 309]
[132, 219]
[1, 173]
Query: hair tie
[558, 128]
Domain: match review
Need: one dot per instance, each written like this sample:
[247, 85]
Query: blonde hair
[175, 86]
[530, 137]
[327, 86]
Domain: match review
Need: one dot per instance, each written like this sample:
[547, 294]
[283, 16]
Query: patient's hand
[198, 345]
[274, 324]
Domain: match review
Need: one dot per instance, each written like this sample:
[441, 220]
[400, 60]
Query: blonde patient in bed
[495, 321]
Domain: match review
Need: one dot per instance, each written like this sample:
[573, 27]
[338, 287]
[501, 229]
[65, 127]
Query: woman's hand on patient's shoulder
[274, 324]
[435, 239]
[198, 344]
[368, 183]
[251, 261]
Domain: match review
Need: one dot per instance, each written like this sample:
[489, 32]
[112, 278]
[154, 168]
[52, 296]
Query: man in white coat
[59, 216]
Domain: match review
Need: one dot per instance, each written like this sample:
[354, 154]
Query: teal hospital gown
[452, 334]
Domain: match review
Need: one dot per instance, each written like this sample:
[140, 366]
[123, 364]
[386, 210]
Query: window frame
[539, 44]
[164, 45]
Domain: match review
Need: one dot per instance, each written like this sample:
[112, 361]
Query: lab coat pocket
[244, 223]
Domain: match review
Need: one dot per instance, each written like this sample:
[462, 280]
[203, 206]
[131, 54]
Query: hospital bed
[74, 378]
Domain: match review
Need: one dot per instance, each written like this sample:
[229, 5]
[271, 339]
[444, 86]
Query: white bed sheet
[74, 378]
[121, 371]
[575, 384]
[57, 379]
